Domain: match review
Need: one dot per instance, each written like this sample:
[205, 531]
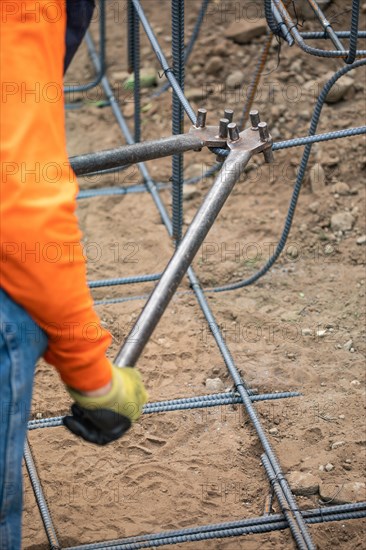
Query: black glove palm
[101, 420]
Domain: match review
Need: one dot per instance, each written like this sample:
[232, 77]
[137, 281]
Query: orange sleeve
[42, 263]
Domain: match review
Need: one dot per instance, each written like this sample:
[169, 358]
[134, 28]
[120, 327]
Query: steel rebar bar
[40, 498]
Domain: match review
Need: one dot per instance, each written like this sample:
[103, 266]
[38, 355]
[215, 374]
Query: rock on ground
[342, 493]
[341, 188]
[339, 89]
[214, 384]
[214, 65]
[235, 79]
[303, 483]
[317, 178]
[196, 94]
[243, 31]
[342, 221]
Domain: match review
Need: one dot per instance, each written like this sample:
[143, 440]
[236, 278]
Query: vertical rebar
[178, 114]
[40, 498]
[354, 32]
[130, 50]
[133, 49]
[302, 542]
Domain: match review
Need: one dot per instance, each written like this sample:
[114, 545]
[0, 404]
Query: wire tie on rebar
[165, 72]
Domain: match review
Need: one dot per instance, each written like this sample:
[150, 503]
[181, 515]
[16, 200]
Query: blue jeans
[79, 14]
[22, 343]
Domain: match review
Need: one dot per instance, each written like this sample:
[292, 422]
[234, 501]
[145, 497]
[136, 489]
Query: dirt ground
[301, 327]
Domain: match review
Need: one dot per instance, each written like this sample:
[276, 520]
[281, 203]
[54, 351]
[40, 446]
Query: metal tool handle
[138, 152]
[182, 259]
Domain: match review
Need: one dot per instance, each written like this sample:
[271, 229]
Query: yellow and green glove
[101, 420]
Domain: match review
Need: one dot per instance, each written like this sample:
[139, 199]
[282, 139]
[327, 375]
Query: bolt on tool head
[229, 114]
[254, 119]
[223, 127]
[263, 131]
[233, 131]
[201, 118]
[264, 136]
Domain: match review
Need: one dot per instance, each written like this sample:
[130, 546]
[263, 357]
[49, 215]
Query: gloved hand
[103, 419]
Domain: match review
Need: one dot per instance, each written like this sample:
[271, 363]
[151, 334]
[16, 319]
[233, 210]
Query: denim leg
[79, 14]
[22, 342]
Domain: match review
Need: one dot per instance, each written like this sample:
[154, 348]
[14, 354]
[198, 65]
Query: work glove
[101, 420]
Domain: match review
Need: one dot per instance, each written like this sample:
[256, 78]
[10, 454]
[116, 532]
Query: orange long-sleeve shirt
[42, 263]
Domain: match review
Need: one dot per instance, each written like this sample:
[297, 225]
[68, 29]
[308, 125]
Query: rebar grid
[272, 7]
[298, 519]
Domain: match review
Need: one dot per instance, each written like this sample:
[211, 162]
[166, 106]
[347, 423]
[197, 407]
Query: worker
[45, 305]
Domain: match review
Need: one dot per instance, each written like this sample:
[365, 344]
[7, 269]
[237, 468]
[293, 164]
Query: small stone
[214, 384]
[321, 468]
[214, 65]
[303, 483]
[120, 76]
[342, 221]
[235, 79]
[39, 415]
[341, 416]
[355, 383]
[273, 431]
[275, 112]
[196, 94]
[337, 444]
[292, 251]
[343, 493]
[321, 333]
[317, 178]
[221, 49]
[244, 31]
[296, 65]
[330, 159]
[361, 240]
[347, 466]
[190, 191]
[306, 332]
[329, 467]
[329, 249]
[341, 188]
[128, 110]
[313, 207]
[196, 69]
[339, 89]
[348, 345]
